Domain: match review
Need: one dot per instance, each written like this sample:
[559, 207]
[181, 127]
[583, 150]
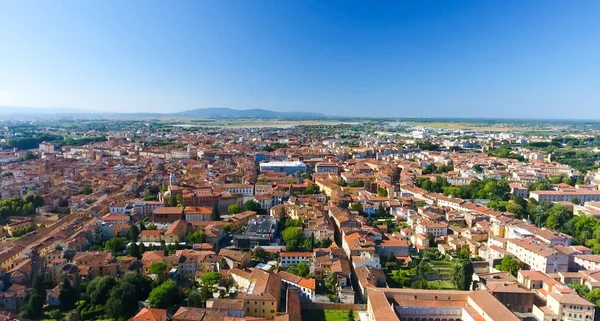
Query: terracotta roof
[147, 314]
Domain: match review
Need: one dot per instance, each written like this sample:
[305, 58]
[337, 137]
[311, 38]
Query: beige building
[539, 256]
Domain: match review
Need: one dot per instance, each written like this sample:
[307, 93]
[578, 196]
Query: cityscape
[299, 160]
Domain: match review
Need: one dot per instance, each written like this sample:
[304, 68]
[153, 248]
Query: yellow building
[261, 299]
[20, 226]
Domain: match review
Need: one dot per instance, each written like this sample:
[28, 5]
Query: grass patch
[327, 315]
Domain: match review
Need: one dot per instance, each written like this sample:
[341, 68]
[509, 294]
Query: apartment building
[241, 189]
[437, 229]
[326, 168]
[386, 304]
[588, 262]
[167, 214]
[145, 208]
[290, 167]
[293, 258]
[262, 296]
[197, 214]
[537, 255]
[570, 306]
[366, 259]
[307, 287]
[566, 195]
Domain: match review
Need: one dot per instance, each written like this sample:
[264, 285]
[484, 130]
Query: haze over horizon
[348, 58]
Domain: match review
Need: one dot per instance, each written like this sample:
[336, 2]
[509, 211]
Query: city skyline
[411, 59]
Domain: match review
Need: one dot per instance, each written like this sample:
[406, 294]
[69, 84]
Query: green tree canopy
[234, 209]
[508, 264]
[164, 296]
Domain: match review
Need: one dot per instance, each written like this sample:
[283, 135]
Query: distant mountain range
[199, 113]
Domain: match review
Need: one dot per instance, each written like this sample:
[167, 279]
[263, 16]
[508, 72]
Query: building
[176, 232]
[145, 208]
[566, 195]
[262, 296]
[537, 255]
[293, 258]
[236, 258]
[326, 168]
[570, 306]
[385, 304]
[237, 221]
[241, 189]
[307, 287]
[260, 231]
[147, 314]
[588, 262]
[151, 236]
[167, 214]
[197, 214]
[283, 167]
[234, 307]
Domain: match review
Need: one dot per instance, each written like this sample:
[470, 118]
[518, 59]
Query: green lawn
[326, 315]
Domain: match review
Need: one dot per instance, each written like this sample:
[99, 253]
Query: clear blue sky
[370, 58]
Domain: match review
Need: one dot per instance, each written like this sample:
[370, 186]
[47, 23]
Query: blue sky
[370, 58]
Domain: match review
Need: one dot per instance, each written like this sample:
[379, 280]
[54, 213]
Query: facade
[197, 214]
[167, 214]
[326, 168]
[145, 208]
[588, 262]
[293, 258]
[583, 195]
[538, 256]
[284, 167]
[241, 189]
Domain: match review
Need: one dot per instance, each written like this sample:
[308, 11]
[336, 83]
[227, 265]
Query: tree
[98, 289]
[38, 285]
[197, 237]
[195, 299]
[122, 303]
[150, 198]
[292, 233]
[234, 209]
[558, 216]
[594, 296]
[292, 237]
[134, 250]
[381, 210]
[215, 214]
[141, 283]
[462, 275]
[508, 264]
[258, 254]
[164, 296]
[158, 268]
[55, 314]
[34, 308]
[67, 295]
[303, 269]
[210, 278]
[357, 207]
[382, 192]
[142, 248]
[114, 245]
[402, 277]
[252, 205]
[133, 233]
[350, 315]
[575, 200]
